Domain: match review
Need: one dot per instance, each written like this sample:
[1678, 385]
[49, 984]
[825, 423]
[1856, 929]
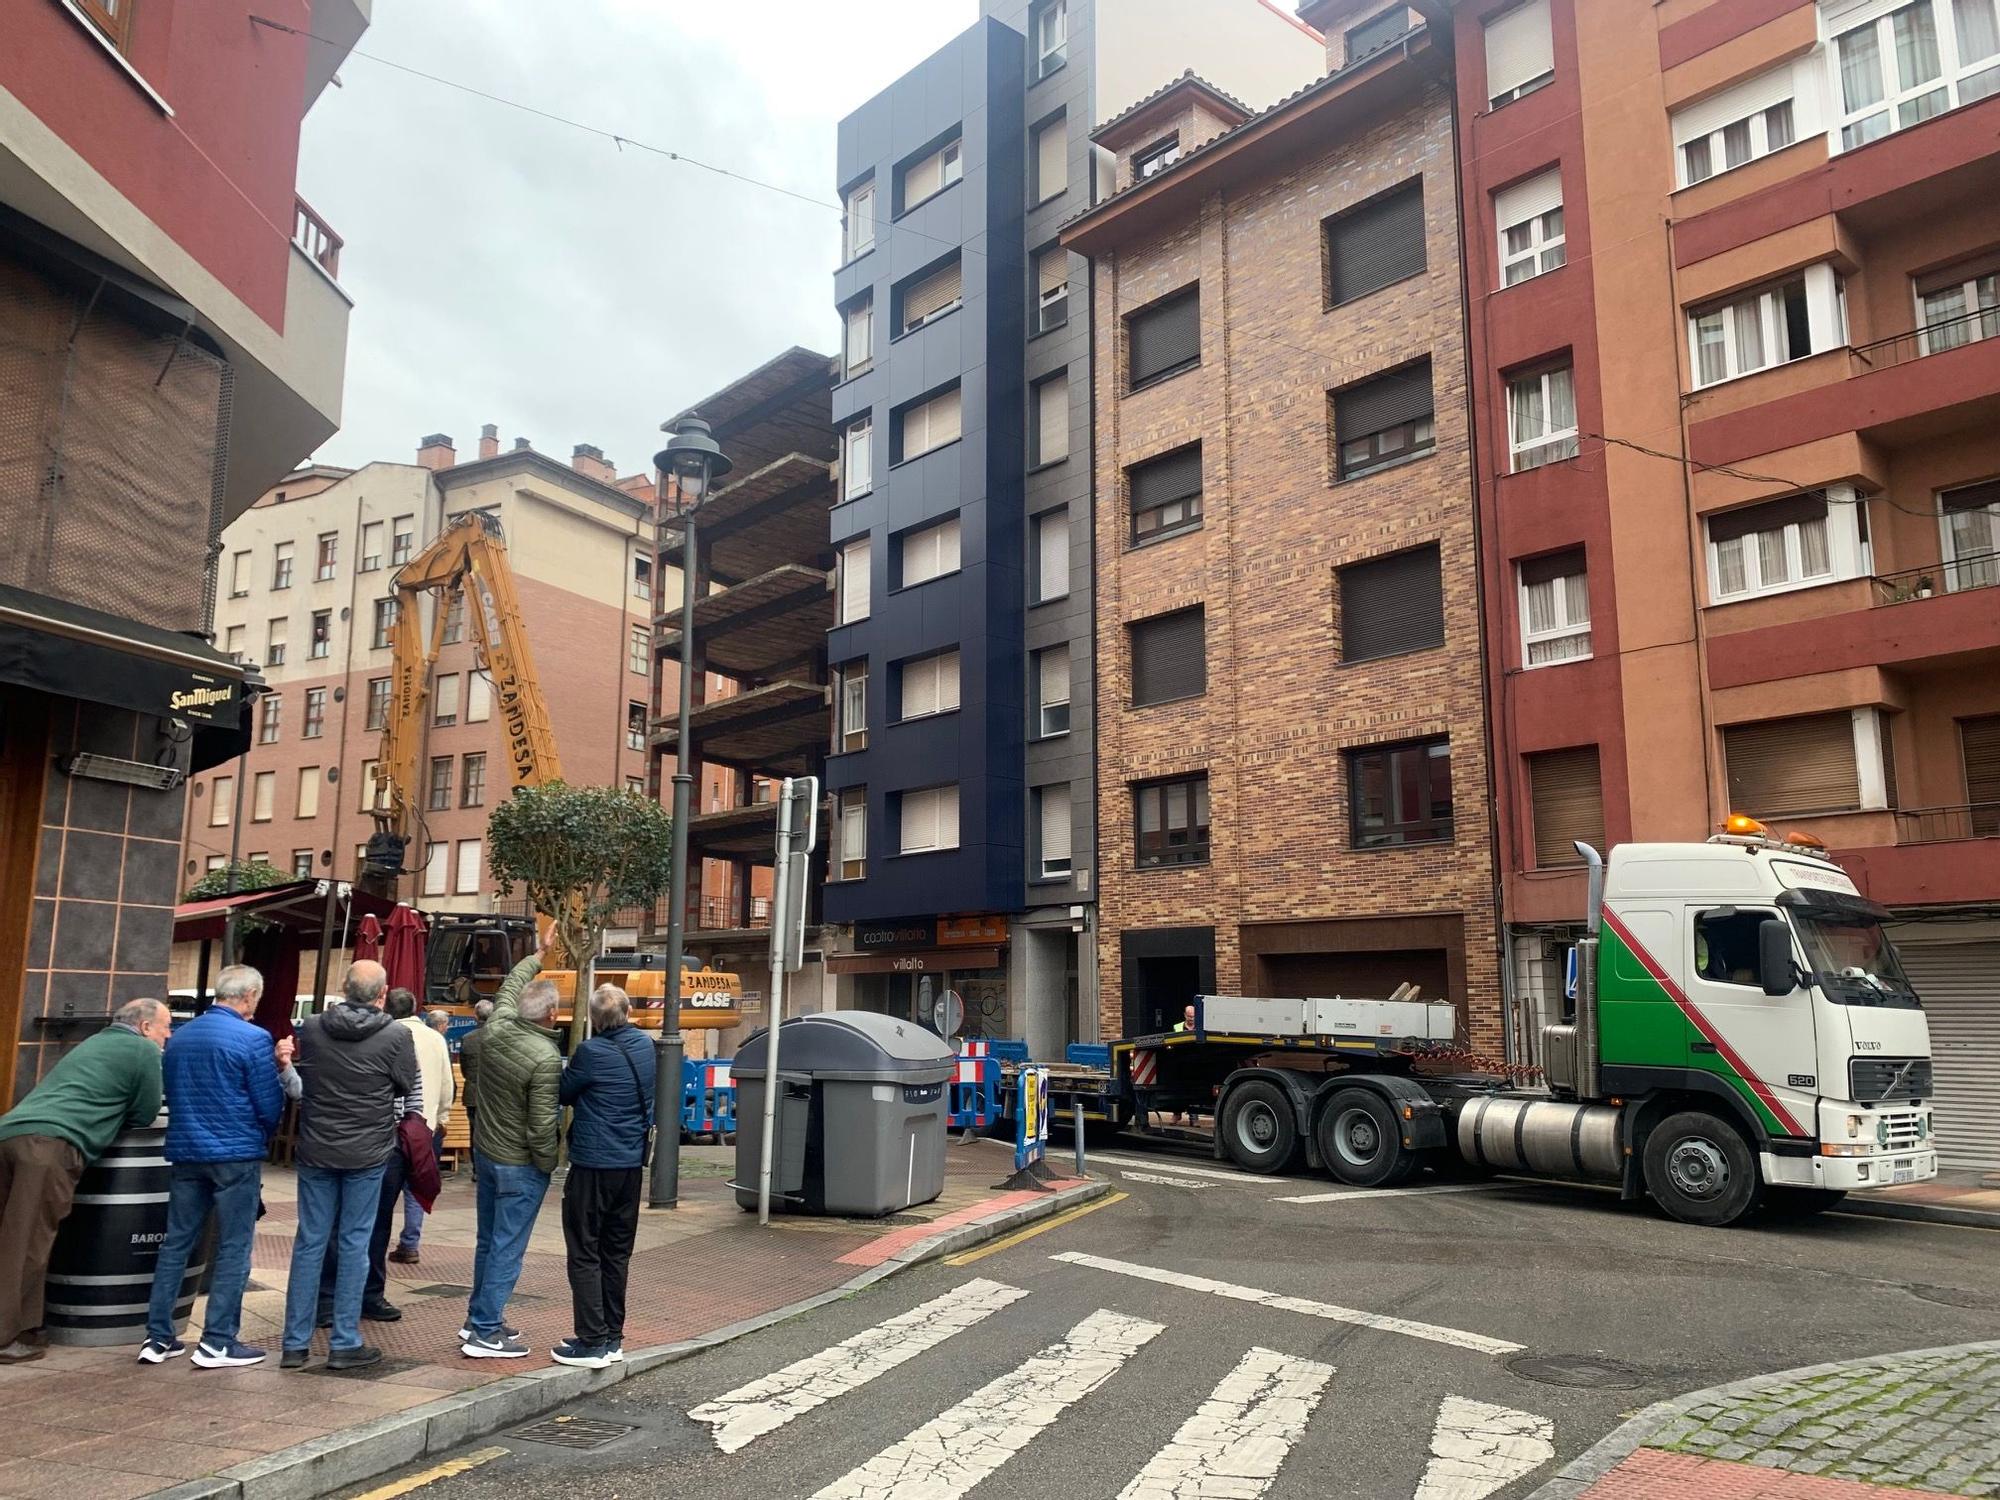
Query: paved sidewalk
[95, 1423]
[1952, 1197]
[1922, 1423]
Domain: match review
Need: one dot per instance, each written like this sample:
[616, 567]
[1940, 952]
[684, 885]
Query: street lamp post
[694, 461]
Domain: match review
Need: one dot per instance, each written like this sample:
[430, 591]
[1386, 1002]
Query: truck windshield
[1853, 961]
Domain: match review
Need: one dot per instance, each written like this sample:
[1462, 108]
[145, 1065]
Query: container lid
[853, 1044]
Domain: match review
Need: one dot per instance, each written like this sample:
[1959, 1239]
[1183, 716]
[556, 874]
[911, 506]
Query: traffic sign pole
[798, 828]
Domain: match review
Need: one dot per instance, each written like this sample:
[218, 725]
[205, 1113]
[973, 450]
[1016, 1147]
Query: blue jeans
[509, 1197]
[336, 1212]
[229, 1189]
[413, 1211]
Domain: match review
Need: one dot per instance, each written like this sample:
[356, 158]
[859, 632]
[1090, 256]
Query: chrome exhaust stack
[1589, 1074]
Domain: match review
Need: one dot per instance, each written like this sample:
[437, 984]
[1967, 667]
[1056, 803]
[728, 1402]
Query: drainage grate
[573, 1432]
[389, 1365]
[439, 1289]
[1580, 1370]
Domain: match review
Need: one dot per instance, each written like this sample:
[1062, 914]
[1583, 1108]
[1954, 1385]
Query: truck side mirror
[1775, 970]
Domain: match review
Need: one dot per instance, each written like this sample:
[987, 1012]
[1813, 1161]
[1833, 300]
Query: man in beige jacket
[440, 1093]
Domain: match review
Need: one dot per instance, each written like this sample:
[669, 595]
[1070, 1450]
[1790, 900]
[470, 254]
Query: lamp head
[693, 458]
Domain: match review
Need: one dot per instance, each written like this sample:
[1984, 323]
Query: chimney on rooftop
[489, 441]
[436, 452]
[588, 460]
[522, 445]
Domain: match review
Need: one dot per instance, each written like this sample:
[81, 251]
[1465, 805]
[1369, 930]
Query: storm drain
[1579, 1370]
[388, 1365]
[440, 1289]
[573, 1432]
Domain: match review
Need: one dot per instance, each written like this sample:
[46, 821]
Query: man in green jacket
[520, 1078]
[107, 1085]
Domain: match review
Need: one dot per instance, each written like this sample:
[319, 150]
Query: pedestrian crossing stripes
[1161, 1177]
[1476, 1449]
[1234, 1445]
[1394, 1192]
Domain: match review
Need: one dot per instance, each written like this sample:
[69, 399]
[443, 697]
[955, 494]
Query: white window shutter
[1519, 47]
[1051, 158]
[1747, 98]
[1529, 200]
[854, 581]
[1051, 419]
[1052, 554]
[1053, 672]
[947, 817]
[1055, 825]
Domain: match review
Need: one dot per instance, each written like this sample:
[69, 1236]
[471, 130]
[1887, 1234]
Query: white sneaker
[504, 1346]
[467, 1331]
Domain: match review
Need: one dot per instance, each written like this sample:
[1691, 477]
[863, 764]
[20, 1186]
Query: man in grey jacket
[360, 1078]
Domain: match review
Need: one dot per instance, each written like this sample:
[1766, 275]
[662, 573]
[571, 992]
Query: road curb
[1581, 1473]
[355, 1454]
[1920, 1213]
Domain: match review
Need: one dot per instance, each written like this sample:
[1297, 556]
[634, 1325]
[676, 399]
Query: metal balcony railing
[316, 237]
[1931, 338]
[1980, 570]
[1936, 825]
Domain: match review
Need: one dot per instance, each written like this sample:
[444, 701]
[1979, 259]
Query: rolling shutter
[1051, 159]
[1052, 676]
[1391, 605]
[1979, 742]
[1970, 497]
[1773, 515]
[1785, 767]
[1170, 477]
[1165, 336]
[1959, 984]
[1529, 200]
[931, 295]
[1519, 49]
[1051, 555]
[1566, 792]
[1384, 402]
[1379, 242]
[1052, 419]
[1055, 834]
[1752, 96]
[1169, 657]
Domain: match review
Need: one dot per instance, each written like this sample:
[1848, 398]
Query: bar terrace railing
[1980, 570]
[316, 237]
[1935, 825]
[1931, 338]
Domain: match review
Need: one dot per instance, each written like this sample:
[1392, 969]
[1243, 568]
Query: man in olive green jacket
[519, 1081]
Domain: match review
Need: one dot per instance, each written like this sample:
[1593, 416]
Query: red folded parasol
[403, 951]
[368, 939]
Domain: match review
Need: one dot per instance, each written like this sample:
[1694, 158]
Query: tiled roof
[1187, 76]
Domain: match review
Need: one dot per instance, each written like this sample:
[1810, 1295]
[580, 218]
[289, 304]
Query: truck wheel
[1361, 1141]
[1800, 1203]
[1700, 1170]
[1258, 1130]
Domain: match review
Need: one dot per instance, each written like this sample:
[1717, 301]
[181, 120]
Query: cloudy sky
[509, 269]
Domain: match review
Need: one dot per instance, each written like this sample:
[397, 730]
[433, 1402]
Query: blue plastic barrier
[975, 1093]
[1088, 1054]
[708, 1098]
[1008, 1049]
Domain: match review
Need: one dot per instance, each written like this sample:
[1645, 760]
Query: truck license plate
[1903, 1169]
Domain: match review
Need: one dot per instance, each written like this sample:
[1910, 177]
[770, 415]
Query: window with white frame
[1052, 692]
[1051, 535]
[308, 796]
[444, 699]
[1051, 288]
[859, 343]
[928, 553]
[1530, 216]
[850, 696]
[930, 175]
[1971, 520]
[1798, 541]
[469, 853]
[371, 546]
[850, 834]
[402, 539]
[1959, 304]
[478, 697]
[437, 868]
[1555, 609]
[1541, 418]
[929, 685]
[929, 820]
[1745, 121]
[274, 642]
[851, 583]
[1051, 158]
[860, 237]
[639, 651]
[239, 575]
[221, 803]
[927, 425]
[263, 796]
[1897, 65]
[1049, 27]
[1520, 52]
[1049, 412]
[1052, 831]
[1770, 325]
[857, 459]
[930, 296]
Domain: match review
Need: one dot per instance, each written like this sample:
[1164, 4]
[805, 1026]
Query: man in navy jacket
[223, 1104]
[609, 1083]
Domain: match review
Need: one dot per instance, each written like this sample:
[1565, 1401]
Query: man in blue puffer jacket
[224, 1102]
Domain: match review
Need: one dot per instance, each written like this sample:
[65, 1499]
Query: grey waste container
[861, 1119]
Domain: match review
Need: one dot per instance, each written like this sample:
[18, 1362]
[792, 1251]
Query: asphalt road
[1205, 1326]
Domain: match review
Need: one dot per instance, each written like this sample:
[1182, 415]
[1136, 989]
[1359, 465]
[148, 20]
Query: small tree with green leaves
[250, 875]
[582, 853]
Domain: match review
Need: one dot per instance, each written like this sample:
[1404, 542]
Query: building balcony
[314, 236]
[1936, 615]
[1939, 857]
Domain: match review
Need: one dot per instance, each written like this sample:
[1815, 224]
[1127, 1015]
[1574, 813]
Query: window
[1383, 421]
[402, 537]
[239, 576]
[1907, 63]
[858, 343]
[1164, 339]
[308, 802]
[1051, 158]
[857, 459]
[281, 566]
[1971, 536]
[472, 781]
[639, 651]
[374, 797]
[1052, 831]
[1052, 692]
[1792, 542]
[1051, 542]
[1375, 33]
[1169, 657]
[322, 635]
[371, 546]
[114, 19]
[1769, 326]
[1050, 29]
[1788, 767]
[314, 724]
[1400, 794]
[274, 643]
[1555, 609]
[1740, 124]
[437, 859]
[1530, 218]
[1390, 606]
[1959, 305]
[860, 221]
[1166, 493]
[302, 864]
[1049, 413]
[221, 797]
[1726, 943]
[1979, 752]
[850, 697]
[929, 175]
[328, 562]
[444, 700]
[926, 425]
[850, 834]
[1156, 158]
[385, 622]
[851, 581]
[270, 714]
[1541, 418]
[635, 726]
[1566, 801]
[263, 796]
[636, 785]
[440, 784]
[929, 820]
[1375, 244]
[929, 297]
[378, 703]
[928, 553]
[1520, 53]
[928, 685]
[454, 619]
[232, 642]
[1170, 819]
[217, 861]
[1051, 288]
[642, 578]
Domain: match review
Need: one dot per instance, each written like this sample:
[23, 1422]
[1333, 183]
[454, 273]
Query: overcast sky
[508, 269]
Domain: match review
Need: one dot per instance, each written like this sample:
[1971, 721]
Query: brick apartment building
[1292, 759]
[1732, 271]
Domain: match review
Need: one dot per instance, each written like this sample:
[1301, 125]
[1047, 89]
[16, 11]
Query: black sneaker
[500, 1346]
[358, 1358]
[381, 1310]
[507, 1330]
[226, 1354]
[293, 1359]
[587, 1356]
[159, 1351]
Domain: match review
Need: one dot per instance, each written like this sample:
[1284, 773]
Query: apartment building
[1732, 272]
[309, 600]
[964, 824]
[173, 337]
[1292, 771]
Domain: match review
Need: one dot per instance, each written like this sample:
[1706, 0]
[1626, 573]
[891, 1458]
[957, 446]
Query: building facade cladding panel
[1281, 710]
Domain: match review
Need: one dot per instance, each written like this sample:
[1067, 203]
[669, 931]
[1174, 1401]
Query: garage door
[1960, 986]
[1358, 975]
